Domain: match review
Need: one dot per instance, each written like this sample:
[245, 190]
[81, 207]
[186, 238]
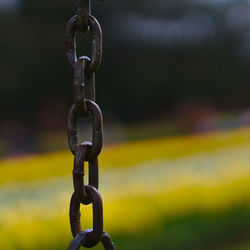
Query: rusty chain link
[84, 106]
[83, 10]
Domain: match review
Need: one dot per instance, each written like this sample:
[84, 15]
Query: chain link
[96, 32]
[84, 106]
[97, 127]
[83, 10]
[93, 235]
[80, 238]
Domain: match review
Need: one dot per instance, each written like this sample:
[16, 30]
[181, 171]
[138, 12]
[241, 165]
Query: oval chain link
[78, 173]
[97, 127]
[96, 56]
[93, 235]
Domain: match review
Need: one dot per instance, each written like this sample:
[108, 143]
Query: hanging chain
[84, 106]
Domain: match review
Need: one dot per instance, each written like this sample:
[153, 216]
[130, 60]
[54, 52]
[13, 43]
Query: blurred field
[187, 192]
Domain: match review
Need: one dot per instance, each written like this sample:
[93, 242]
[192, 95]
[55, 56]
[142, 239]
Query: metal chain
[84, 69]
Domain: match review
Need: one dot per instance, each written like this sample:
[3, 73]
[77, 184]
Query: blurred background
[174, 90]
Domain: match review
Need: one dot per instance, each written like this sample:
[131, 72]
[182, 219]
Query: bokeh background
[174, 90]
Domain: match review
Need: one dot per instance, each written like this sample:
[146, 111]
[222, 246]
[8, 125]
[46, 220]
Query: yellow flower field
[170, 190]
